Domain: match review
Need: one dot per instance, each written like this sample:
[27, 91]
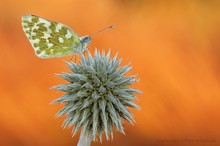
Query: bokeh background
[174, 47]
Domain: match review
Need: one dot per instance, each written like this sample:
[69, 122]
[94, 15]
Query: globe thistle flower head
[97, 95]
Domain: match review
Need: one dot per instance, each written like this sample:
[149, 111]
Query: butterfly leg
[75, 58]
[71, 58]
[84, 53]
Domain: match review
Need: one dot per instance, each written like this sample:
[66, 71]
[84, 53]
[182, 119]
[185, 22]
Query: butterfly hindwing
[49, 38]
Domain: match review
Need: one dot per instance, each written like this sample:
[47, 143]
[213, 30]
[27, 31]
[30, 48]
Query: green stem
[85, 139]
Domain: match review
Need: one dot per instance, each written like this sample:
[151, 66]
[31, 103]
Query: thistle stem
[85, 139]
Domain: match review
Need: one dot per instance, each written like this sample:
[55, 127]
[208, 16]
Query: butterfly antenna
[110, 27]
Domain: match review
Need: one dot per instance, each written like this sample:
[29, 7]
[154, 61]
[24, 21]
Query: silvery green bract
[97, 95]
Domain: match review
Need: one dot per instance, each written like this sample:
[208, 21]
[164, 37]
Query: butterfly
[53, 39]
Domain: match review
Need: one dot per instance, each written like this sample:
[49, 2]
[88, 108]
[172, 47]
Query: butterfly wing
[49, 38]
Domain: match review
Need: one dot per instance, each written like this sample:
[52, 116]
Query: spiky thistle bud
[97, 95]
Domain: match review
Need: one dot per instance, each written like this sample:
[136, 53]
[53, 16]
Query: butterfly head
[85, 40]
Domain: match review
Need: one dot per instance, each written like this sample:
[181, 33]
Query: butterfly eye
[88, 39]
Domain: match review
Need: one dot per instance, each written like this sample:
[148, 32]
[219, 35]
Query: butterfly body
[52, 39]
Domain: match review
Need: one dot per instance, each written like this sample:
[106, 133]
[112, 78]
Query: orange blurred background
[174, 47]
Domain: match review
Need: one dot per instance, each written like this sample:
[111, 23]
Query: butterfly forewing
[49, 38]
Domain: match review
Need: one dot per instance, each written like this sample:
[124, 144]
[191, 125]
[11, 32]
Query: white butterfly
[52, 39]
